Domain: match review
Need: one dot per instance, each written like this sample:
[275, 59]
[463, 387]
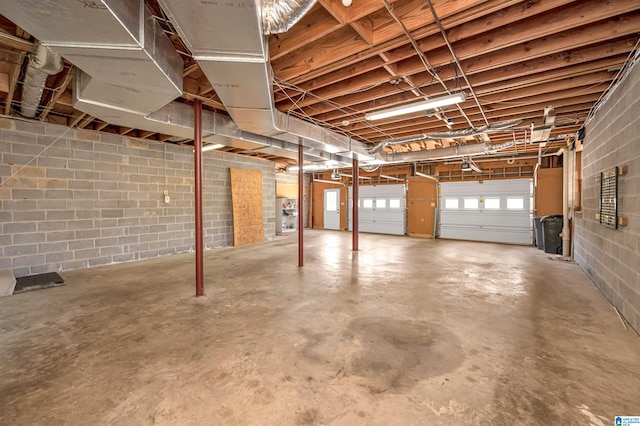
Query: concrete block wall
[612, 257]
[74, 199]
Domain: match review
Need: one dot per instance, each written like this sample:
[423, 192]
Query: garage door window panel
[515, 203]
[451, 203]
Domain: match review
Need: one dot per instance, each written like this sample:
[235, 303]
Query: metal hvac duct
[127, 60]
[43, 63]
[227, 40]
[177, 119]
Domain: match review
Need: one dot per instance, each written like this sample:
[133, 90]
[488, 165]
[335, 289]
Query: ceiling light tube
[212, 147]
[305, 168]
[418, 106]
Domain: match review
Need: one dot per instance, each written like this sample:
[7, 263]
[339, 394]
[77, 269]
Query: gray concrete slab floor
[404, 332]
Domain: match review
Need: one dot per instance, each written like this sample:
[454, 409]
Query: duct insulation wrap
[278, 16]
[43, 63]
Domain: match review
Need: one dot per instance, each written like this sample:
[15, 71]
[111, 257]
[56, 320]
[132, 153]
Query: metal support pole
[354, 195]
[300, 204]
[197, 176]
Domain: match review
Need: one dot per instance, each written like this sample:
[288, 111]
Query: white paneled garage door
[382, 209]
[495, 211]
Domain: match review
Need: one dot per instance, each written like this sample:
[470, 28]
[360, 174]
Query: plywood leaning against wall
[246, 198]
[549, 192]
[421, 207]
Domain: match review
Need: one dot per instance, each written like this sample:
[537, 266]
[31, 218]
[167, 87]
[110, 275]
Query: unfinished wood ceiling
[511, 58]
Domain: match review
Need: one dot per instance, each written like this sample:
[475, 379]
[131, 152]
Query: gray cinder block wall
[95, 198]
[612, 257]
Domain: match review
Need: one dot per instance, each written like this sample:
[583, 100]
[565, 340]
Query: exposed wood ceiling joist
[338, 63]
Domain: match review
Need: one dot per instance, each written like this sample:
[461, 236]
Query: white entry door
[332, 209]
[492, 210]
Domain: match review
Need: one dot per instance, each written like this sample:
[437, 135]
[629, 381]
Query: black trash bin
[537, 228]
[551, 229]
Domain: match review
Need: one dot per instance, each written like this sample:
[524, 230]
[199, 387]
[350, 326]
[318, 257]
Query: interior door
[332, 209]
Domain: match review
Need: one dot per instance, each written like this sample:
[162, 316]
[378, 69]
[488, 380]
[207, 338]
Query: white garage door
[495, 211]
[382, 209]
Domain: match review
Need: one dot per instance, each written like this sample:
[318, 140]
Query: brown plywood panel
[288, 190]
[549, 192]
[246, 198]
[421, 206]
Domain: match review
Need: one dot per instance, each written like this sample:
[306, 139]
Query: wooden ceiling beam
[100, 127]
[418, 124]
[523, 34]
[313, 26]
[572, 20]
[84, 122]
[58, 92]
[335, 9]
[403, 97]
[564, 86]
[66, 98]
[618, 46]
[577, 117]
[190, 69]
[4, 82]
[558, 44]
[521, 113]
[494, 80]
[145, 134]
[13, 81]
[364, 28]
[205, 101]
[341, 66]
[125, 130]
[504, 16]
[18, 43]
[476, 60]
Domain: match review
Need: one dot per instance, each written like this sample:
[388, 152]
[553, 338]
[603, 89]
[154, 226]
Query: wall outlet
[166, 196]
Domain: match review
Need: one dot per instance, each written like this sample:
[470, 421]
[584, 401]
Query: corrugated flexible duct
[43, 63]
[444, 153]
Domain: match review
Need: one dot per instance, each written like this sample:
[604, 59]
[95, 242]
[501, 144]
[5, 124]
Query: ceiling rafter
[338, 63]
[58, 91]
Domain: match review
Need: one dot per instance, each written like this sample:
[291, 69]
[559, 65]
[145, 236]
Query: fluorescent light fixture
[212, 147]
[305, 168]
[418, 106]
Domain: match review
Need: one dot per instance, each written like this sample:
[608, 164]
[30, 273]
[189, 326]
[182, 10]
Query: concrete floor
[405, 332]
